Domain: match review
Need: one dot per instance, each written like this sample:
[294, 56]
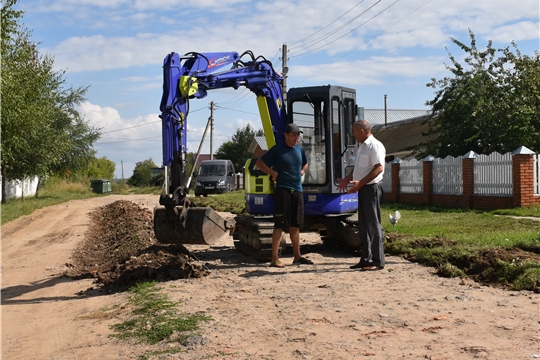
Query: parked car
[215, 177]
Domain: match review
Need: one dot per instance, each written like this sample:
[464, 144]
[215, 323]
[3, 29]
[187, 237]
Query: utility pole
[122, 162]
[385, 109]
[284, 72]
[211, 120]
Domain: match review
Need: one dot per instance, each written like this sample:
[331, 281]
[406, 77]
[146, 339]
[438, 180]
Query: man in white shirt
[366, 179]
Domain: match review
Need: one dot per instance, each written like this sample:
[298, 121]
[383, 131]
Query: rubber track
[253, 236]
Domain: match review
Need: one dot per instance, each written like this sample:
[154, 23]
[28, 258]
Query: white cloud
[524, 30]
[375, 71]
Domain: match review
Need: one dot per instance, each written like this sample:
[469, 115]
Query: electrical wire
[136, 126]
[324, 27]
[128, 140]
[318, 40]
[365, 42]
[365, 22]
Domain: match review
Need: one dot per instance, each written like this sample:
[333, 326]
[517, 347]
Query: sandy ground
[321, 311]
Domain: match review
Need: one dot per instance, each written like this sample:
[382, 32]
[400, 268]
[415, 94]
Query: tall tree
[237, 149]
[42, 133]
[101, 168]
[142, 174]
[492, 103]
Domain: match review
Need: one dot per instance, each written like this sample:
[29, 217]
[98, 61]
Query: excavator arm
[194, 74]
[189, 77]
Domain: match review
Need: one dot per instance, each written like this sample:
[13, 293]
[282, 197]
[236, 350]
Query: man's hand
[343, 184]
[356, 186]
[274, 175]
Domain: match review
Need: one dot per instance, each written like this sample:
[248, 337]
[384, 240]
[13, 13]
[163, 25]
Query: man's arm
[357, 184]
[344, 182]
[304, 168]
[265, 168]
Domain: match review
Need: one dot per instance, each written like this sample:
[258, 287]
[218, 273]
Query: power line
[131, 127]
[324, 27]
[128, 140]
[365, 42]
[318, 40]
[148, 123]
[245, 112]
[365, 22]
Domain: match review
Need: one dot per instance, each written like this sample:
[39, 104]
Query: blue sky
[378, 47]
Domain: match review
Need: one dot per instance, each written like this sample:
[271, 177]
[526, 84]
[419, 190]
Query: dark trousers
[369, 225]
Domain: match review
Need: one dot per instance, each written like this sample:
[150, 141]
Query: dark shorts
[288, 208]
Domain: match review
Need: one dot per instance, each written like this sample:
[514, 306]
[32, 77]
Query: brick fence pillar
[523, 176]
[427, 167]
[467, 164]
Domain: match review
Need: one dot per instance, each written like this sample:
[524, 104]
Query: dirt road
[321, 311]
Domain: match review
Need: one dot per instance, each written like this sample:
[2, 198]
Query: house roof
[201, 158]
[401, 135]
[258, 141]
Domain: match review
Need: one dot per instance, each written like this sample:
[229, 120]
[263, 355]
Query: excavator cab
[325, 114]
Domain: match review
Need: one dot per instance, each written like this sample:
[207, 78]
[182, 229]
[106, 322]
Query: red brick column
[427, 167]
[523, 179]
[468, 181]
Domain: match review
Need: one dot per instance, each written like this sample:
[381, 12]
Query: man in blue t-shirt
[286, 163]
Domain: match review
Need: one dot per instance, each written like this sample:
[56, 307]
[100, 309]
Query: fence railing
[448, 176]
[410, 177]
[472, 180]
[493, 174]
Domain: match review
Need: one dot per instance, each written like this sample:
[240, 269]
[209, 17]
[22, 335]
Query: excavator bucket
[189, 225]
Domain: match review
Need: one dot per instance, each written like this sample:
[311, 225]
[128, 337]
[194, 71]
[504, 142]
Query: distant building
[201, 158]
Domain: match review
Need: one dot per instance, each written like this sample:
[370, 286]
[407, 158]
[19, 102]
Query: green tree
[237, 149]
[142, 174]
[42, 133]
[101, 168]
[492, 103]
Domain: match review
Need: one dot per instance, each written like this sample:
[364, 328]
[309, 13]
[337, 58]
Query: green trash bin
[101, 186]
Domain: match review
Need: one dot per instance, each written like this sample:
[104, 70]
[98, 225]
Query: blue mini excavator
[325, 114]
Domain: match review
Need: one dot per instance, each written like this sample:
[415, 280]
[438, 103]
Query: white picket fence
[493, 174]
[15, 188]
[448, 176]
[411, 177]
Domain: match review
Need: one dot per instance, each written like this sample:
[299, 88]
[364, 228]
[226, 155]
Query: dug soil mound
[120, 249]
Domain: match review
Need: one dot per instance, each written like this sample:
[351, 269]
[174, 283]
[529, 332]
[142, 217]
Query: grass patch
[154, 318]
[481, 245]
[232, 201]
[57, 191]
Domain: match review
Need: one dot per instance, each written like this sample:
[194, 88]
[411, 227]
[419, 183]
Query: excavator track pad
[189, 225]
[253, 236]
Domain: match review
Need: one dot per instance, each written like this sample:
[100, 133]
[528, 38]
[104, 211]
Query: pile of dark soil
[120, 250]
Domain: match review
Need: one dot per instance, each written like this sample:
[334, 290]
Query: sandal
[278, 264]
[303, 260]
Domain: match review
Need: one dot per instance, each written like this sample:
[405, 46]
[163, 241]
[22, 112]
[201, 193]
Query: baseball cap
[292, 128]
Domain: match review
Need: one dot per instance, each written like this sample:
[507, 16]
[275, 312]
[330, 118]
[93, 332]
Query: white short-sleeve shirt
[369, 153]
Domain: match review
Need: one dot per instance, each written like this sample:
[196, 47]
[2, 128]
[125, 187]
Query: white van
[215, 177]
